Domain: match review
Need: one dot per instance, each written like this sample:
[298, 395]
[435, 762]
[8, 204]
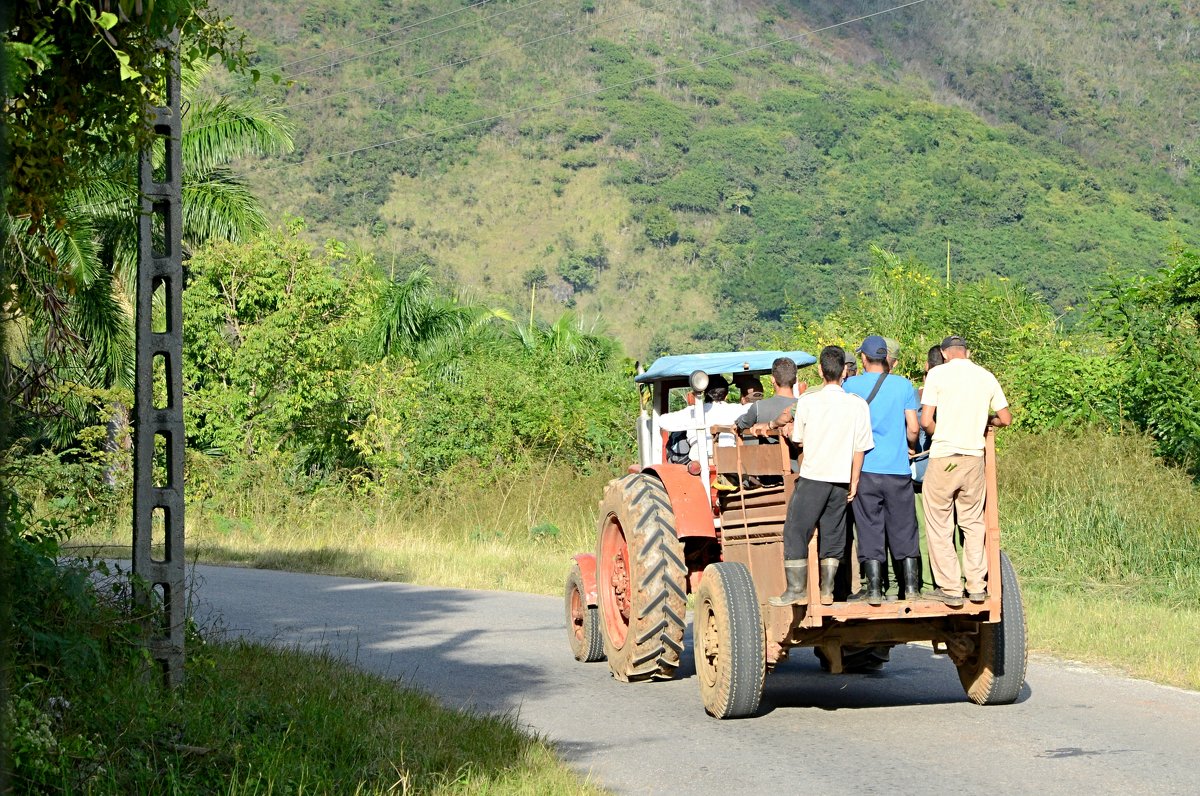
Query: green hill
[722, 181]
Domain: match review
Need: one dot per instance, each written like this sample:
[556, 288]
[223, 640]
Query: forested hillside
[722, 180]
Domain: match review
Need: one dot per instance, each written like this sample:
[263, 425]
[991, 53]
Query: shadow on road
[471, 648]
[913, 676]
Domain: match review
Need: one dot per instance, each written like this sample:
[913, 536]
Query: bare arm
[1002, 418]
[910, 426]
[855, 471]
[927, 423]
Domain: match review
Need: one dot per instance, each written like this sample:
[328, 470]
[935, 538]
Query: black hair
[717, 388]
[885, 363]
[935, 356]
[833, 361]
[783, 370]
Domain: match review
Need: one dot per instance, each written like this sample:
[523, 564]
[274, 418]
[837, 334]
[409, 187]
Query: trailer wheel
[995, 672]
[641, 579]
[583, 623]
[730, 647]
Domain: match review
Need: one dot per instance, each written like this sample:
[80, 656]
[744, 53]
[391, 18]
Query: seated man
[769, 415]
[766, 410]
[749, 387]
[716, 413]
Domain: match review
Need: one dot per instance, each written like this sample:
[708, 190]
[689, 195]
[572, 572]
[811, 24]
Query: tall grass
[514, 531]
[1090, 510]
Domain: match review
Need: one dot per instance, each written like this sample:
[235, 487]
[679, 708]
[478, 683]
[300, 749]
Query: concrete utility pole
[158, 429]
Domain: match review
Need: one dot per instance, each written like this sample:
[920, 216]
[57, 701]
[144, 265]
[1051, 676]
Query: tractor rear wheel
[728, 636]
[994, 672]
[583, 623]
[641, 580]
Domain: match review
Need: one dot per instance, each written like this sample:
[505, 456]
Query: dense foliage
[322, 364]
[1134, 360]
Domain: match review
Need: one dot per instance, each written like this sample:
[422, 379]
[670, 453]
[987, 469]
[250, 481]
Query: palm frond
[219, 205]
[104, 324]
[216, 132]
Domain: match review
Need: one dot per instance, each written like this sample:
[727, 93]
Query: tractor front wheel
[583, 624]
[994, 672]
[641, 580]
[727, 634]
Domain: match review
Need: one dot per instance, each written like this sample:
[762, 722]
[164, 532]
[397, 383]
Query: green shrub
[661, 227]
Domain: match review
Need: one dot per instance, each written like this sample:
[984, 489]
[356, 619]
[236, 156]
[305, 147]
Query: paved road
[907, 729]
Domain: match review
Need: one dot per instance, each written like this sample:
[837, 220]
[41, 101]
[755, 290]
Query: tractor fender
[587, 570]
[689, 500]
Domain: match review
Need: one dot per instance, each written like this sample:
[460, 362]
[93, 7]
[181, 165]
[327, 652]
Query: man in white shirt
[716, 413]
[834, 429]
[966, 399]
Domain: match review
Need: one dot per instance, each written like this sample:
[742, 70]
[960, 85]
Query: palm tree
[413, 320]
[76, 302]
[569, 338]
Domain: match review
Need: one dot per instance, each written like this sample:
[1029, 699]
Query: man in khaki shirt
[966, 399]
[834, 428]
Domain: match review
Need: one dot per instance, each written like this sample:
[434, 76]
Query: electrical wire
[593, 92]
[385, 34]
[435, 34]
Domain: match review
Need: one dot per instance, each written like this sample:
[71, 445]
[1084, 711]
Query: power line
[386, 33]
[413, 41]
[593, 92]
[450, 64]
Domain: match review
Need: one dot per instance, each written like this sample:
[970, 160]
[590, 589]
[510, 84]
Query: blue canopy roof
[753, 362]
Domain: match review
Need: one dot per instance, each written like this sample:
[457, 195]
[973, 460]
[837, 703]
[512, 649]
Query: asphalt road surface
[906, 729]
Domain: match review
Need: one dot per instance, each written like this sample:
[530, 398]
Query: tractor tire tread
[589, 648]
[659, 574]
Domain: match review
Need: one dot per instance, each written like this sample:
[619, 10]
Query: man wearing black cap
[716, 413]
[885, 509]
[967, 399]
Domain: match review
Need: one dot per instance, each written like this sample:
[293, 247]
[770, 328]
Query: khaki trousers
[956, 484]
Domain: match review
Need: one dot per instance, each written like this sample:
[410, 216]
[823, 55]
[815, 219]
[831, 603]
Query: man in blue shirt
[884, 508]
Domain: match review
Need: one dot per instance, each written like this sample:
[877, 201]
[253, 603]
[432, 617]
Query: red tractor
[666, 532]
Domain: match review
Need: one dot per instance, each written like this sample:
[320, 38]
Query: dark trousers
[816, 503]
[885, 514]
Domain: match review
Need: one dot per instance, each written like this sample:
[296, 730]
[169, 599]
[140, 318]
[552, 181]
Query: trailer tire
[995, 672]
[729, 641]
[583, 623]
[641, 580]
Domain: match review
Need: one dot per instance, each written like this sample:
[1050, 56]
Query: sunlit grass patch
[514, 533]
[1106, 627]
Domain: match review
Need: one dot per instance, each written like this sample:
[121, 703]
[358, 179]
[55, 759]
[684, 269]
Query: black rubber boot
[829, 569]
[860, 595]
[910, 577]
[796, 572]
[873, 570]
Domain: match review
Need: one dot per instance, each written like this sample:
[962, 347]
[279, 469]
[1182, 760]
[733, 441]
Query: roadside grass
[1104, 538]
[1091, 509]
[512, 533]
[254, 719]
[1105, 627]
